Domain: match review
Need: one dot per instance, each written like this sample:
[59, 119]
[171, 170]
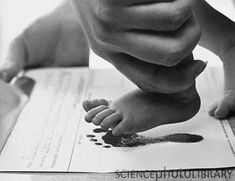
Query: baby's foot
[139, 111]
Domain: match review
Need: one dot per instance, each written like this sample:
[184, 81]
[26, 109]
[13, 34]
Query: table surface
[216, 174]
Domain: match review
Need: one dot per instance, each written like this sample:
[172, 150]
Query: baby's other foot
[140, 111]
[225, 107]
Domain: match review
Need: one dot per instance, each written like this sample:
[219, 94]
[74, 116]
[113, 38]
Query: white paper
[51, 134]
[215, 151]
[11, 103]
[45, 133]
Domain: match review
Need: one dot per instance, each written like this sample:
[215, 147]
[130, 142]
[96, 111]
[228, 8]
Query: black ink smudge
[183, 138]
[98, 143]
[134, 140]
[118, 141]
[107, 146]
[99, 130]
[90, 136]
[94, 140]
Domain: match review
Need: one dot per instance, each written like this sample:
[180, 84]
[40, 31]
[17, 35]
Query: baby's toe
[119, 129]
[122, 128]
[102, 115]
[111, 121]
[90, 104]
[93, 112]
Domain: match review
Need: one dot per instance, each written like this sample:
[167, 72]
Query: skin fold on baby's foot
[139, 111]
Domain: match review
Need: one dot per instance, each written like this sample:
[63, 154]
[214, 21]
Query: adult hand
[134, 35]
[54, 40]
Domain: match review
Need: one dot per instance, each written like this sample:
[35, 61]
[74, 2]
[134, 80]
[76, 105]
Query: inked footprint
[92, 138]
[139, 111]
[133, 140]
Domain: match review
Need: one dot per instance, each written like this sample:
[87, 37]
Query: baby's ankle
[187, 95]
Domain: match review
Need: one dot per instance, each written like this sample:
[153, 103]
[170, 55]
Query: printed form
[51, 134]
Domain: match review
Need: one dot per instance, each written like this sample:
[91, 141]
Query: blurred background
[16, 15]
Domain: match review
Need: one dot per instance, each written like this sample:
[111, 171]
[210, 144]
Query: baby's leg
[139, 111]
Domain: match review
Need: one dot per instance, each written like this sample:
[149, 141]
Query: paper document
[52, 135]
[12, 101]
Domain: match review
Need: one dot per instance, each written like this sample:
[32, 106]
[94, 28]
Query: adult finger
[166, 49]
[167, 16]
[134, 2]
